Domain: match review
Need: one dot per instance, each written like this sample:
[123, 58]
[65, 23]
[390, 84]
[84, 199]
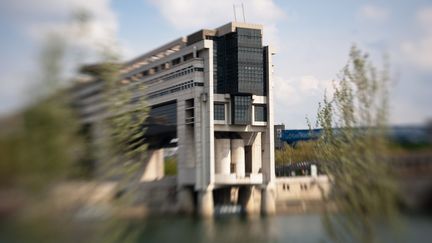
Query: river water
[281, 228]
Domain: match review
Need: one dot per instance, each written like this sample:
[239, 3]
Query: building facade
[211, 93]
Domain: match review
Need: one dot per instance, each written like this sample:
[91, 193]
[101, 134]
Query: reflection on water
[282, 228]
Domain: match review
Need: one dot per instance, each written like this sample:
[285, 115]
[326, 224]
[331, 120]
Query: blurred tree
[363, 188]
[45, 144]
[122, 144]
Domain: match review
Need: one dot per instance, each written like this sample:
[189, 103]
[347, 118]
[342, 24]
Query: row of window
[173, 89]
[241, 112]
[182, 72]
[163, 66]
[303, 187]
[175, 74]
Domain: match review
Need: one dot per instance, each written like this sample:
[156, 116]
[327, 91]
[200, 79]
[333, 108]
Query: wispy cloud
[40, 17]
[300, 96]
[196, 14]
[419, 51]
[373, 12]
[36, 19]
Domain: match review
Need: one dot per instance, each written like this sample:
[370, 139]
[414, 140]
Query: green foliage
[170, 166]
[302, 151]
[363, 189]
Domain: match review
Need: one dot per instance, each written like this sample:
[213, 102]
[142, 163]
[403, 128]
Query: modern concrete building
[211, 93]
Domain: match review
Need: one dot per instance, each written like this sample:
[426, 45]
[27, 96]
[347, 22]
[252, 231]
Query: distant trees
[301, 152]
[363, 189]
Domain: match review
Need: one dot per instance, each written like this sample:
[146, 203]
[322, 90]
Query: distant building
[278, 129]
[414, 134]
[211, 92]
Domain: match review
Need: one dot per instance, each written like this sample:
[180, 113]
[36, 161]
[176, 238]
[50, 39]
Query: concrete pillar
[268, 200]
[246, 199]
[222, 156]
[257, 154]
[238, 156]
[185, 202]
[153, 165]
[205, 203]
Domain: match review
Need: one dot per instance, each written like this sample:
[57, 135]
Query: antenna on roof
[235, 14]
[244, 19]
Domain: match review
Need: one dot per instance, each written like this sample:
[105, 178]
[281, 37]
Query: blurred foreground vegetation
[45, 154]
[42, 142]
[364, 189]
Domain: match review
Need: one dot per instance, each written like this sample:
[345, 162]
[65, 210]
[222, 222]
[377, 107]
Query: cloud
[294, 90]
[197, 14]
[372, 12]
[424, 18]
[419, 51]
[32, 21]
[296, 97]
[38, 18]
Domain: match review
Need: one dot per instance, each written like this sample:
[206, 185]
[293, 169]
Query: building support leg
[205, 203]
[185, 202]
[268, 200]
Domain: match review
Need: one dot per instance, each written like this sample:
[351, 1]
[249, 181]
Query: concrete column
[246, 199]
[153, 165]
[222, 156]
[256, 154]
[268, 166]
[205, 203]
[268, 200]
[205, 166]
[181, 142]
[238, 156]
[185, 202]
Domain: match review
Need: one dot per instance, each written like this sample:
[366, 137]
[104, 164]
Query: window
[219, 111]
[260, 113]
[188, 56]
[242, 110]
[176, 61]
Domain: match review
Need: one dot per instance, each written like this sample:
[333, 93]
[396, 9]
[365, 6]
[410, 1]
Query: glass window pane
[219, 112]
[260, 113]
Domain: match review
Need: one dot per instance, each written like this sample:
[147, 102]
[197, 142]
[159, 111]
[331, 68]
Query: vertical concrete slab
[222, 156]
[153, 165]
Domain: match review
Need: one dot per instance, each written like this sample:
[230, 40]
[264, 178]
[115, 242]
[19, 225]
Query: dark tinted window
[242, 106]
[238, 63]
[260, 113]
[219, 112]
